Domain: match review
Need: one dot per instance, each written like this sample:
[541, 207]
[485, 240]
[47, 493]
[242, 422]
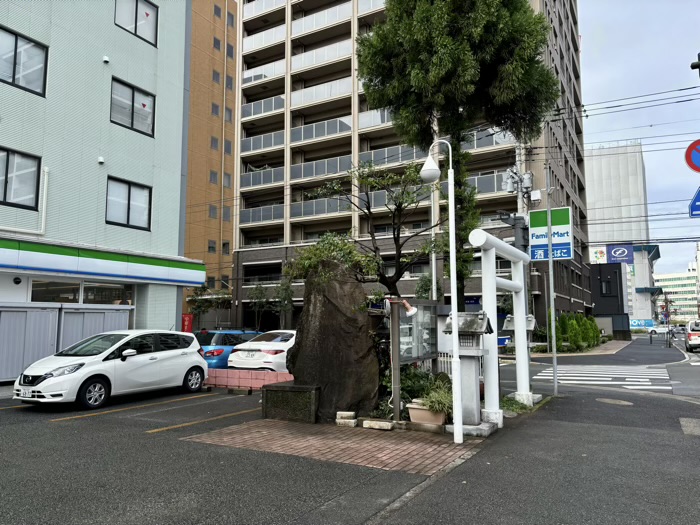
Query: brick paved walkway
[410, 451]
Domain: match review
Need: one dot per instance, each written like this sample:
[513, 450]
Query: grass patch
[510, 404]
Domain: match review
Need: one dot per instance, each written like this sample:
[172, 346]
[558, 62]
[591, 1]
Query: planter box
[420, 414]
[290, 402]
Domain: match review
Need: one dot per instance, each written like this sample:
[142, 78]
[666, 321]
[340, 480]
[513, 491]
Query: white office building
[92, 171]
[682, 292]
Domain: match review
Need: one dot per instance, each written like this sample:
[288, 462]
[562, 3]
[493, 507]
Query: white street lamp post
[429, 174]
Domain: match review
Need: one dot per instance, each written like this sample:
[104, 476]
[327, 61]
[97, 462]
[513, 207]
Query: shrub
[575, 338]
[563, 325]
[539, 349]
[439, 398]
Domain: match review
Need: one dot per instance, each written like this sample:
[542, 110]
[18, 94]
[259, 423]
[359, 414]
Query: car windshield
[273, 337]
[94, 345]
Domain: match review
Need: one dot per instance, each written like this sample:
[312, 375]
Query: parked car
[267, 351]
[692, 339]
[217, 344]
[114, 363]
[661, 329]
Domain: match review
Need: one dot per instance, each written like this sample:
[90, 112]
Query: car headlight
[63, 371]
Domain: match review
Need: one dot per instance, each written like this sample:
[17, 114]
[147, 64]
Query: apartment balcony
[486, 183]
[262, 142]
[273, 212]
[380, 199]
[392, 155]
[252, 179]
[316, 207]
[259, 7]
[368, 6]
[323, 61]
[268, 106]
[322, 92]
[319, 130]
[323, 23]
[266, 72]
[321, 168]
[265, 39]
[374, 118]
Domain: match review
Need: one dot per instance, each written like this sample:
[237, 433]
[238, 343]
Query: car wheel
[94, 393]
[193, 380]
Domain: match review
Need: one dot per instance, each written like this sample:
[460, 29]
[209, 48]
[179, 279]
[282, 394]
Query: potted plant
[434, 407]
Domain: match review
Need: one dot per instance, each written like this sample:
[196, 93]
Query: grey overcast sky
[635, 47]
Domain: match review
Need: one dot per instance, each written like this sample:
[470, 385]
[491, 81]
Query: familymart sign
[562, 236]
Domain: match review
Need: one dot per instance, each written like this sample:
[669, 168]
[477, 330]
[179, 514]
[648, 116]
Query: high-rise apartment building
[91, 172]
[212, 143]
[302, 119]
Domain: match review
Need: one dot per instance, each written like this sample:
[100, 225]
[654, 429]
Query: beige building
[301, 119]
[210, 193]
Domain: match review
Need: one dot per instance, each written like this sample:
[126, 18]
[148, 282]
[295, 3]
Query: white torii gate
[490, 247]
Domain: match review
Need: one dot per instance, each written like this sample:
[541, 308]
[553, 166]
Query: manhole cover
[614, 401]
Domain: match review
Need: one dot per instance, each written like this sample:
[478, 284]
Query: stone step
[379, 425]
[346, 422]
[345, 415]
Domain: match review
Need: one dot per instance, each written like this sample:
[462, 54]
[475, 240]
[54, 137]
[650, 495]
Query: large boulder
[333, 348]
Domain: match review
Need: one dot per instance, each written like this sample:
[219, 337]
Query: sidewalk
[611, 347]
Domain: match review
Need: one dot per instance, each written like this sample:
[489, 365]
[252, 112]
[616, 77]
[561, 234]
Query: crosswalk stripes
[629, 377]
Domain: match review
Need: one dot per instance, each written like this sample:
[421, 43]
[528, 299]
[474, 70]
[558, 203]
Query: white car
[661, 329]
[267, 351]
[114, 363]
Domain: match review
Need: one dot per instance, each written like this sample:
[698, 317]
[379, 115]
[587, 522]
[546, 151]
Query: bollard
[650, 340]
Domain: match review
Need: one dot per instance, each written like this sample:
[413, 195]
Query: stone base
[345, 415]
[290, 402]
[378, 425]
[483, 430]
[492, 416]
[346, 422]
[526, 398]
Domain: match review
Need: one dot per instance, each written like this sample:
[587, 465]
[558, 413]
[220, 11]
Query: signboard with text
[562, 235]
[620, 253]
[187, 322]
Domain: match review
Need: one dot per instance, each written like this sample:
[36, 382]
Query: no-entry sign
[692, 156]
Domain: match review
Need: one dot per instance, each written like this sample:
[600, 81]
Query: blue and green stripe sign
[82, 262]
[562, 235]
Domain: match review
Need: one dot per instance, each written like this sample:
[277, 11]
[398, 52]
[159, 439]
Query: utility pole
[552, 294]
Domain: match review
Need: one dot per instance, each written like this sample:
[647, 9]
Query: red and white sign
[692, 156]
[187, 322]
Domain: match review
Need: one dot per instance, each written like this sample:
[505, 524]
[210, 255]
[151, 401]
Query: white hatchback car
[266, 351]
[114, 363]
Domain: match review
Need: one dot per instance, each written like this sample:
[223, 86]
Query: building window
[214, 109]
[217, 44]
[229, 83]
[217, 11]
[230, 21]
[128, 204]
[213, 177]
[22, 62]
[228, 148]
[211, 247]
[226, 248]
[214, 143]
[215, 76]
[132, 108]
[19, 179]
[226, 213]
[139, 17]
[211, 282]
[227, 180]
[605, 288]
[229, 50]
[212, 211]
[228, 114]
[224, 282]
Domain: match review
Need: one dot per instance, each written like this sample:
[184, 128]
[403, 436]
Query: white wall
[156, 307]
[11, 292]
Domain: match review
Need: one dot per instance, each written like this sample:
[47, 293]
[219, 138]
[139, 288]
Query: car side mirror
[128, 353]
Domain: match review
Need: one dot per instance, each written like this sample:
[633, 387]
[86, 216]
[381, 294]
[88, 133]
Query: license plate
[25, 393]
[250, 355]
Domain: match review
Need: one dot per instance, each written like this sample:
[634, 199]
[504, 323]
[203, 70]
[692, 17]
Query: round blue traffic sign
[692, 156]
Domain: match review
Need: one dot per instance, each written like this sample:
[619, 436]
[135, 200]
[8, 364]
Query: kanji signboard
[562, 235]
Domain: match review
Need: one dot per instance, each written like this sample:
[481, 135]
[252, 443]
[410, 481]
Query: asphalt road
[638, 352]
[126, 464]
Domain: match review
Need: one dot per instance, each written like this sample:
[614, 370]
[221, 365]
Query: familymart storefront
[52, 296]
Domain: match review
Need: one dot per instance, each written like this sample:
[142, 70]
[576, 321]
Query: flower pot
[420, 414]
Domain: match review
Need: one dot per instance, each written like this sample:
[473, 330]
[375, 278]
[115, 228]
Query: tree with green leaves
[424, 287]
[446, 67]
[259, 302]
[283, 300]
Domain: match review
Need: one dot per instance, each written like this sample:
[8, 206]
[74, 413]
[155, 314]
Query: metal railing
[260, 6]
[392, 154]
[336, 88]
[265, 38]
[264, 72]
[322, 54]
[487, 138]
[487, 182]
[320, 207]
[258, 178]
[322, 19]
[365, 6]
[381, 198]
[374, 117]
[260, 107]
[269, 140]
[318, 168]
[272, 212]
[321, 129]
[272, 278]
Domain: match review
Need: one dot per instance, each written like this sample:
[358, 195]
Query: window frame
[14, 62]
[216, 6]
[214, 42]
[133, 95]
[3, 190]
[136, 18]
[128, 209]
[230, 18]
